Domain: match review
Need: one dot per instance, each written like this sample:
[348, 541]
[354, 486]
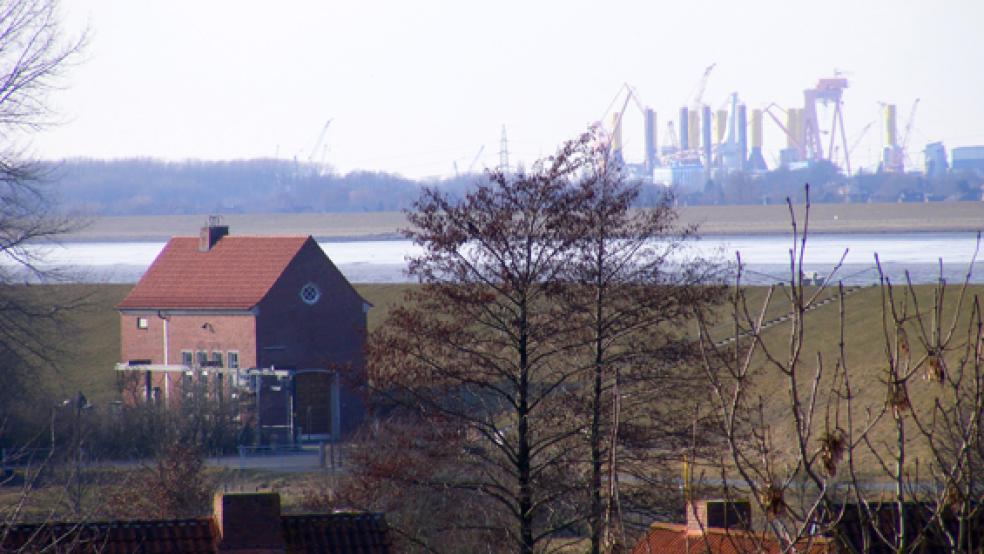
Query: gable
[311, 266]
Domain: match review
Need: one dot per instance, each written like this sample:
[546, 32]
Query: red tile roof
[192, 536]
[236, 273]
[669, 538]
[339, 533]
[351, 533]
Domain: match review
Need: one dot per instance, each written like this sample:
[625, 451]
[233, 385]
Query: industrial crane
[857, 141]
[317, 145]
[904, 146]
[701, 86]
[671, 130]
[471, 166]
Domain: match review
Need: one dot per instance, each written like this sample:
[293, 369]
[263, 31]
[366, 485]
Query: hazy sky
[412, 86]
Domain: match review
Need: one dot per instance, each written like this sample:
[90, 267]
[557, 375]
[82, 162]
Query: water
[766, 257]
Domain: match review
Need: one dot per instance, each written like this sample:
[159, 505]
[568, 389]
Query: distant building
[265, 321]
[716, 527]
[241, 523]
[968, 158]
[936, 165]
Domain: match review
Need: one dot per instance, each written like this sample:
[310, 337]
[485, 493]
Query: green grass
[89, 346]
[86, 344]
[866, 361]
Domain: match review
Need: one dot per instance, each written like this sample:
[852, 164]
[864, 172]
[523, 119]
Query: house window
[310, 294]
[186, 358]
[219, 388]
[216, 359]
[142, 323]
[233, 358]
[186, 384]
[202, 358]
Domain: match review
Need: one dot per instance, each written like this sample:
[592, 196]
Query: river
[766, 257]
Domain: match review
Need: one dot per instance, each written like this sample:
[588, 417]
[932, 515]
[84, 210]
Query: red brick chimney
[248, 523]
[211, 233]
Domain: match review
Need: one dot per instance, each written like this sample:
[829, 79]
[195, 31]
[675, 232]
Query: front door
[315, 396]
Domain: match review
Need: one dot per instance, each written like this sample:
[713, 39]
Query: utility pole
[504, 152]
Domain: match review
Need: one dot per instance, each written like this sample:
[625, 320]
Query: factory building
[967, 158]
[705, 145]
[935, 159]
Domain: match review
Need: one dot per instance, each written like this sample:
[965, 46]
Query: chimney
[211, 233]
[703, 515]
[248, 523]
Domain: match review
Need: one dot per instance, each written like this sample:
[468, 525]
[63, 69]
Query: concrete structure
[267, 322]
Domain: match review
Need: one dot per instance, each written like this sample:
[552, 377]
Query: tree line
[154, 187]
[146, 186]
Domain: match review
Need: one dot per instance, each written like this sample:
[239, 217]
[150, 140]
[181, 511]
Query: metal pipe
[742, 137]
[706, 134]
[167, 375]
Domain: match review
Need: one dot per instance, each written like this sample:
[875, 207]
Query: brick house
[266, 321]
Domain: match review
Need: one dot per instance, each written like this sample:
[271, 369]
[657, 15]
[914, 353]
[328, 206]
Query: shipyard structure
[705, 145]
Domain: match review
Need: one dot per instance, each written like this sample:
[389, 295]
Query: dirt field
[713, 220]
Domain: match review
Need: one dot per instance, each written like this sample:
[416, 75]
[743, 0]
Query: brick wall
[209, 333]
[185, 332]
[329, 334]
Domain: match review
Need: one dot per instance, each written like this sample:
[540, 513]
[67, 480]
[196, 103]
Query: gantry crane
[907, 133]
[317, 145]
[698, 94]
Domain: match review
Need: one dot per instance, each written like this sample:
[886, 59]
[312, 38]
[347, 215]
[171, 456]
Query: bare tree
[33, 55]
[635, 288]
[897, 471]
[480, 348]
[549, 315]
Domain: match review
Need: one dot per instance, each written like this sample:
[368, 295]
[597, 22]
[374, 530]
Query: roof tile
[236, 273]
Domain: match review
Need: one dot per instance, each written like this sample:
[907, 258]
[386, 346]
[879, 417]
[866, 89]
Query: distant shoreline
[711, 220]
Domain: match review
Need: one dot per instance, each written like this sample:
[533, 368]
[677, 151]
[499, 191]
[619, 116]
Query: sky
[418, 87]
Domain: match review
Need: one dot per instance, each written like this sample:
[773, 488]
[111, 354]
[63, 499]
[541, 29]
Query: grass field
[89, 345]
[825, 218]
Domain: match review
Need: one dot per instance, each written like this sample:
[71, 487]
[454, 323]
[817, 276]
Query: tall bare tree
[547, 308]
[478, 350]
[33, 54]
[636, 288]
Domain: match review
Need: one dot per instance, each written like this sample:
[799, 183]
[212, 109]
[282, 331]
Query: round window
[310, 294]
